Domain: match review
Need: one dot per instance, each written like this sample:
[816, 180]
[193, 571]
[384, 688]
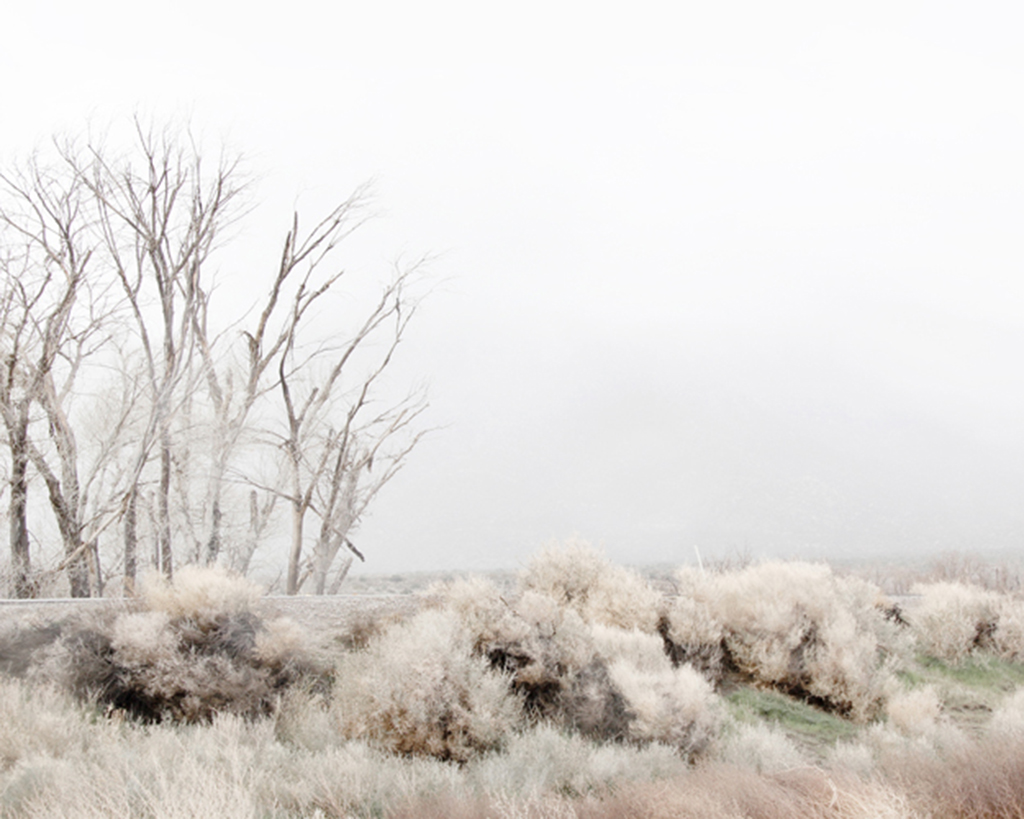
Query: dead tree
[329, 464]
[56, 315]
[104, 258]
[160, 217]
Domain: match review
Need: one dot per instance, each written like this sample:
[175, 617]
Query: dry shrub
[547, 652]
[644, 652]
[951, 619]
[420, 689]
[22, 644]
[673, 706]
[361, 630]
[592, 659]
[690, 630]
[577, 576]
[1008, 638]
[200, 594]
[796, 626]
[197, 650]
[602, 681]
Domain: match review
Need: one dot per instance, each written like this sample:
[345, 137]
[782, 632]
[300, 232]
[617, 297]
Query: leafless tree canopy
[136, 432]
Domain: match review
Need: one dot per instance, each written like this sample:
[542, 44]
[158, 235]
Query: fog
[737, 276]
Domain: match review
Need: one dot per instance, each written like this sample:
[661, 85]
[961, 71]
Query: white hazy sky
[740, 275]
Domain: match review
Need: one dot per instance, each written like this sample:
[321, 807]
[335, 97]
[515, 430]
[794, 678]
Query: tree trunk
[131, 543]
[92, 551]
[164, 508]
[298, 513]
[19, 505]
[213, 544]
[342, 574]
[78, 568]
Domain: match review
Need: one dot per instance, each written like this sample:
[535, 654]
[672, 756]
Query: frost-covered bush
[1008, 638]
[672, 706]
[420, 689]
[542, 647]
[601, 681]
[579, 577]
[691, 631]
[193, 649]
[951, 620]
[202, 595]
[795, 626]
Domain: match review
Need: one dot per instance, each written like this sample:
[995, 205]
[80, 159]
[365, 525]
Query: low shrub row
[581, 645]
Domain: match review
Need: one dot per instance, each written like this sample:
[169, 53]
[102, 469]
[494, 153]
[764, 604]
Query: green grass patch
[802, 721]
[970, 690]
[985, 673]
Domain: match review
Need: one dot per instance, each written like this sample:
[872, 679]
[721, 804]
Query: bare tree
[51, 321]
[160, 223]
[17, 389]
[331, 439]
[104, 260]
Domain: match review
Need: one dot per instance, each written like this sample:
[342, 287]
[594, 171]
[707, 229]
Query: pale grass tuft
[760, 747]
[1008, 718]
[41, 720]
[914, 712]
[545, 759]
[852, 757]
[889, 744]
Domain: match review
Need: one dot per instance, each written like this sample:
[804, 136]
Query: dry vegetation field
[577, 689]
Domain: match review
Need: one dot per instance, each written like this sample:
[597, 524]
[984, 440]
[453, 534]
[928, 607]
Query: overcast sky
[739, 275]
